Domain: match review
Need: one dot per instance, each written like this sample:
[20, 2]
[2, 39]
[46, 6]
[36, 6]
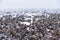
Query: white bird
[25, 23]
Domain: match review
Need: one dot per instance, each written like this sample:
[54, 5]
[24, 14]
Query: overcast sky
[23, 4]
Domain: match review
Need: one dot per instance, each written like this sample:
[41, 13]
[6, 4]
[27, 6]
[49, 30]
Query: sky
[29, 4]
